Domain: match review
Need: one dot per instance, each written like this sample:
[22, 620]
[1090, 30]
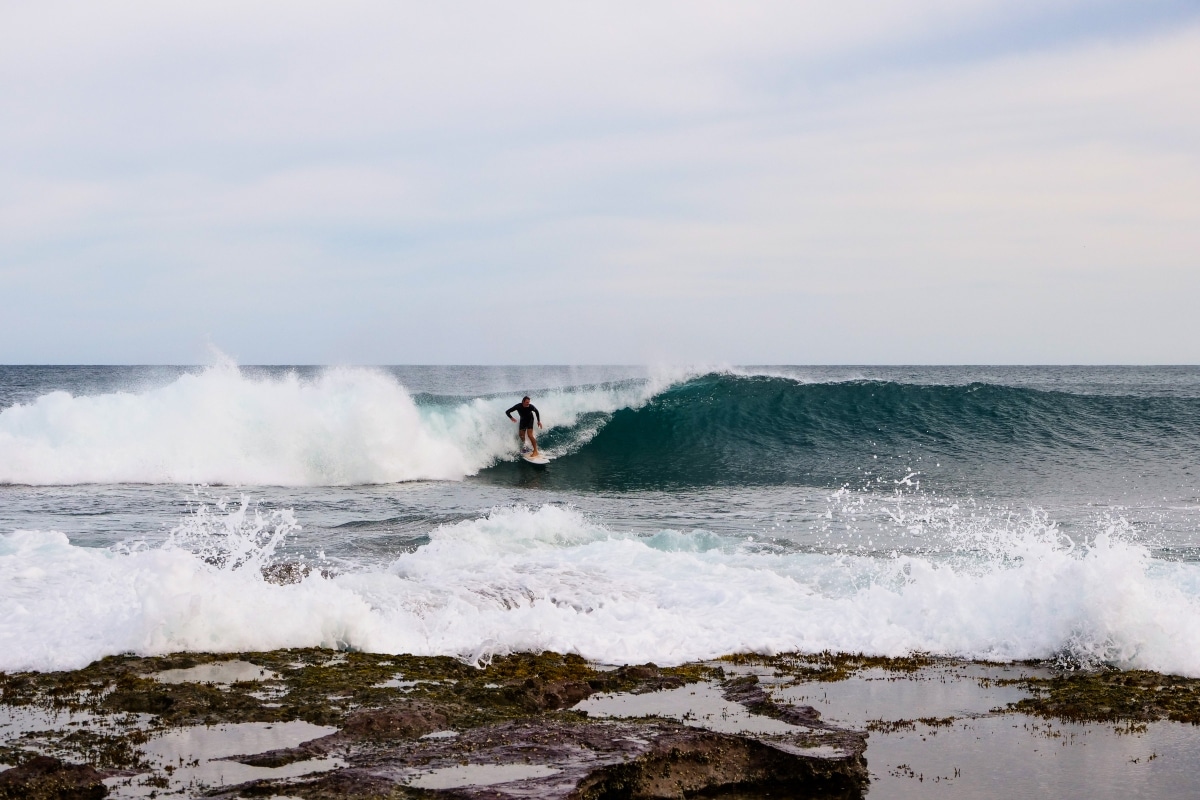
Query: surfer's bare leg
[533, 441]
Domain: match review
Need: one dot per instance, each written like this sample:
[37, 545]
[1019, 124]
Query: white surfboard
[540, 460]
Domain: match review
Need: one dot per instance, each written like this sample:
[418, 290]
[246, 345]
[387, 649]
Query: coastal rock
[688, 762]
[577, 759]
[748, 693]
[638, 679]
[539, 695]
[46, 778]
[409, 720]
[284, 573]
[399, 722]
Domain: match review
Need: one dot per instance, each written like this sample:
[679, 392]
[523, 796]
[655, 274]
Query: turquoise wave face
[722, 429]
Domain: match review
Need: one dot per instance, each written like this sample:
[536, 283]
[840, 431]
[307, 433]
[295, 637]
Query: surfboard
[541, 460]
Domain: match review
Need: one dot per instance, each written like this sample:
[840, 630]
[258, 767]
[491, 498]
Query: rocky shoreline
[323, 724]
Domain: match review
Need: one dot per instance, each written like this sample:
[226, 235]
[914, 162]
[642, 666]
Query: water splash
[241, 537]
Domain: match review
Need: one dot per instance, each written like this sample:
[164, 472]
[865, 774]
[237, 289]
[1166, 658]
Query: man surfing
[527, 412]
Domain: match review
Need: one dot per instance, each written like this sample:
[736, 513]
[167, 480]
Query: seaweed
[353, 690]
[828, 667]
[323, 686]
[106, 751]
[1111, 695]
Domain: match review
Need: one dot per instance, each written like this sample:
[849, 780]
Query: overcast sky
[926, 181]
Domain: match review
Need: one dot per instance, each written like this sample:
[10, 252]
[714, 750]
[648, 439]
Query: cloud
[392, 182]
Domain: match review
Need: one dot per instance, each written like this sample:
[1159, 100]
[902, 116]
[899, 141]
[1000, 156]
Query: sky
[927, 181]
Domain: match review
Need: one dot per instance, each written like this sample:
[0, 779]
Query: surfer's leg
[533, 441]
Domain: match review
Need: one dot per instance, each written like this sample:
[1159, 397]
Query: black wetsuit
[527, 413]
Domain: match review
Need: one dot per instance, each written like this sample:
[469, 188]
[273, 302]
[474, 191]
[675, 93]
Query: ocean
[998, 513]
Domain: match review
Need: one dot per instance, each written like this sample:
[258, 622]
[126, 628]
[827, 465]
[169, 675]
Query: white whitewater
[550, 578]
[348, 426]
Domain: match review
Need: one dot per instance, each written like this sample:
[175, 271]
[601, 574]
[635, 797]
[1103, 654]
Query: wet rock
[573, 759]
[45, 778]
[747, 692]
[286, 572]
[539, 695]
[139, 695]
[643, 672]
[637, 679]
[274, 758]
[375, 727]
[406, 721]
[691, 762]
[339, 785]
[184, 702]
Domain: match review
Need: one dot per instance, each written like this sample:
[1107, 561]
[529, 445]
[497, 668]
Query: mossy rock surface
[324, 687]
[1135, 696]
[384, 702]
[829, 667]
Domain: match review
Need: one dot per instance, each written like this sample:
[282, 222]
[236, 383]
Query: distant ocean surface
[996, 513]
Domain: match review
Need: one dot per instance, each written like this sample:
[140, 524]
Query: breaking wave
[528, 579]
[361, 426]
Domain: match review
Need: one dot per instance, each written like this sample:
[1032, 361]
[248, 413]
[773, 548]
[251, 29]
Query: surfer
[526, 412]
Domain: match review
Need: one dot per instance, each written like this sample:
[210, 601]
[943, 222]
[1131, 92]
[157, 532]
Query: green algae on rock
[827, 666]
[411, 714]
[323, 687]
[45, 778]
[1111, 695]
[407, 724]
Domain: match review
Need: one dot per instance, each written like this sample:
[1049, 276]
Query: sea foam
[529, 579]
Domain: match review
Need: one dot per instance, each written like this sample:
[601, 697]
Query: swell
[723, 429]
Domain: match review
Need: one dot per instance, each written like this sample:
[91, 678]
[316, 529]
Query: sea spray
[241, 537]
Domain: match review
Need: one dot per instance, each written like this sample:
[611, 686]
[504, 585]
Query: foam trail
[551, 578]
[219, 426]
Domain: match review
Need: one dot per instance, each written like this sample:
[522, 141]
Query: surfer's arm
[509, 412]
[537, 414]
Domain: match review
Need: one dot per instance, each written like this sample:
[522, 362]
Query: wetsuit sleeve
[514, 408]
[536, 414]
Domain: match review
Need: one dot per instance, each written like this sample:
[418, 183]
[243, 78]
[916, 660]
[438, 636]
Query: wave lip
[549, 578]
